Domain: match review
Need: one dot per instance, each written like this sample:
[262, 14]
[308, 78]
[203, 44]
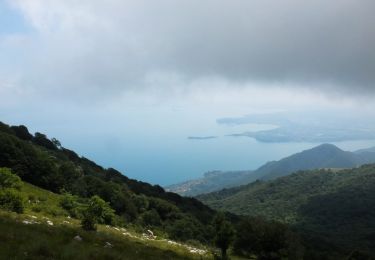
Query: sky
[95, 73]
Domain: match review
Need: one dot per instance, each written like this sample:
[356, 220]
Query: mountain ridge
[321, 156]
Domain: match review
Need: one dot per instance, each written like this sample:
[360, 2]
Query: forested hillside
[69, 186]
[333, 206]
[322, 156]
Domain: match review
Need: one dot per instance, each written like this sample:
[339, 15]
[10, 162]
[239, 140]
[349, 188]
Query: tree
[11, 199]
[224, 234]
[42, 140]
[266, 240]
[22, 132]
[98, 211]
[150, 218]
[9, 180]
[56, 143]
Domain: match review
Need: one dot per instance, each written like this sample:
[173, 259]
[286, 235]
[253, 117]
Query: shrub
[88, 221]
[224, 234]
[9, 180]
[267, 240]
[97, 211]
[70, 203]
[11, 200]
[150, 218]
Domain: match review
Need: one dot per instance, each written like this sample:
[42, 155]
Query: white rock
[77, 238]
[108, 245]
[49, 222]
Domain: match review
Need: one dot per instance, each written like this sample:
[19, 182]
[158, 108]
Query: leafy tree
[70, 203]
[9, 180]
[141, 202]
[98, 211]
[224, 234]
[267, 240]
[11, 199]
[56, 143]
[151, 218]
[22, 132]
[186, 228]
[42, 140]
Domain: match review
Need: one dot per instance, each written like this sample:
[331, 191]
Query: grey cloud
[119, 44]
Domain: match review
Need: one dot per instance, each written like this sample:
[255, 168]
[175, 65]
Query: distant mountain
[337, 206]
[367, 150]
[211, 181]
[322, 156]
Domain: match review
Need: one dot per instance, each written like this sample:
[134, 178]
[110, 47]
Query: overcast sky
[104, 48]
[86, 62]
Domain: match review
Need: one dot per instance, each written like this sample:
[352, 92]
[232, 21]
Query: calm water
[165, 156]
[151, 144]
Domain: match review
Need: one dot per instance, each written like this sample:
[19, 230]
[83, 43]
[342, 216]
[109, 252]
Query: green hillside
[46, 231]
[63, 195]
[326, 214]
[333, 206]
[322, 156]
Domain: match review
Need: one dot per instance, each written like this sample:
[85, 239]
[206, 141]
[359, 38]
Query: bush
[150, 218]
[224, 234]
[97, 211]
[267, 240]
[9, 180]
[88, 221]
[11, 200]
[70, 203]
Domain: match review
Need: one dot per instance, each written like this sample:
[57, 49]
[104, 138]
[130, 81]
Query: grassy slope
[42, 241]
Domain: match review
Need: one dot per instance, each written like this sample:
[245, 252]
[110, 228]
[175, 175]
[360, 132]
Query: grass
[39, 240]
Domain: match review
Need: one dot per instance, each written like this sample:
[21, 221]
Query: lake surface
[161, 153]
[152, 144]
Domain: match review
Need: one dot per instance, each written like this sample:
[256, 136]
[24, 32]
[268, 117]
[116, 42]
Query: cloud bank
[106, 47]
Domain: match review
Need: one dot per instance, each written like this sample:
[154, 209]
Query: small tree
[12, 200]
[224, 234]
[9, 180]
[98, 211]
[10, 197]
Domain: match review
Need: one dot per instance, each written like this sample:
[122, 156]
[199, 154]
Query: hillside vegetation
[62, 196]
[337, 207]
[45, 230]
[319, 157]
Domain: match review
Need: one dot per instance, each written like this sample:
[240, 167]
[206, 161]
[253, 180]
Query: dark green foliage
[186, 228]
[97, 211]
[334, 211]
[12, 200]
[71, 204]
[42, 140]
[150, 218]
[88, 222]
[9, 180]
[267, 240]
[10, 197]
[224, 234]
[42, 164]
[22, 132]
